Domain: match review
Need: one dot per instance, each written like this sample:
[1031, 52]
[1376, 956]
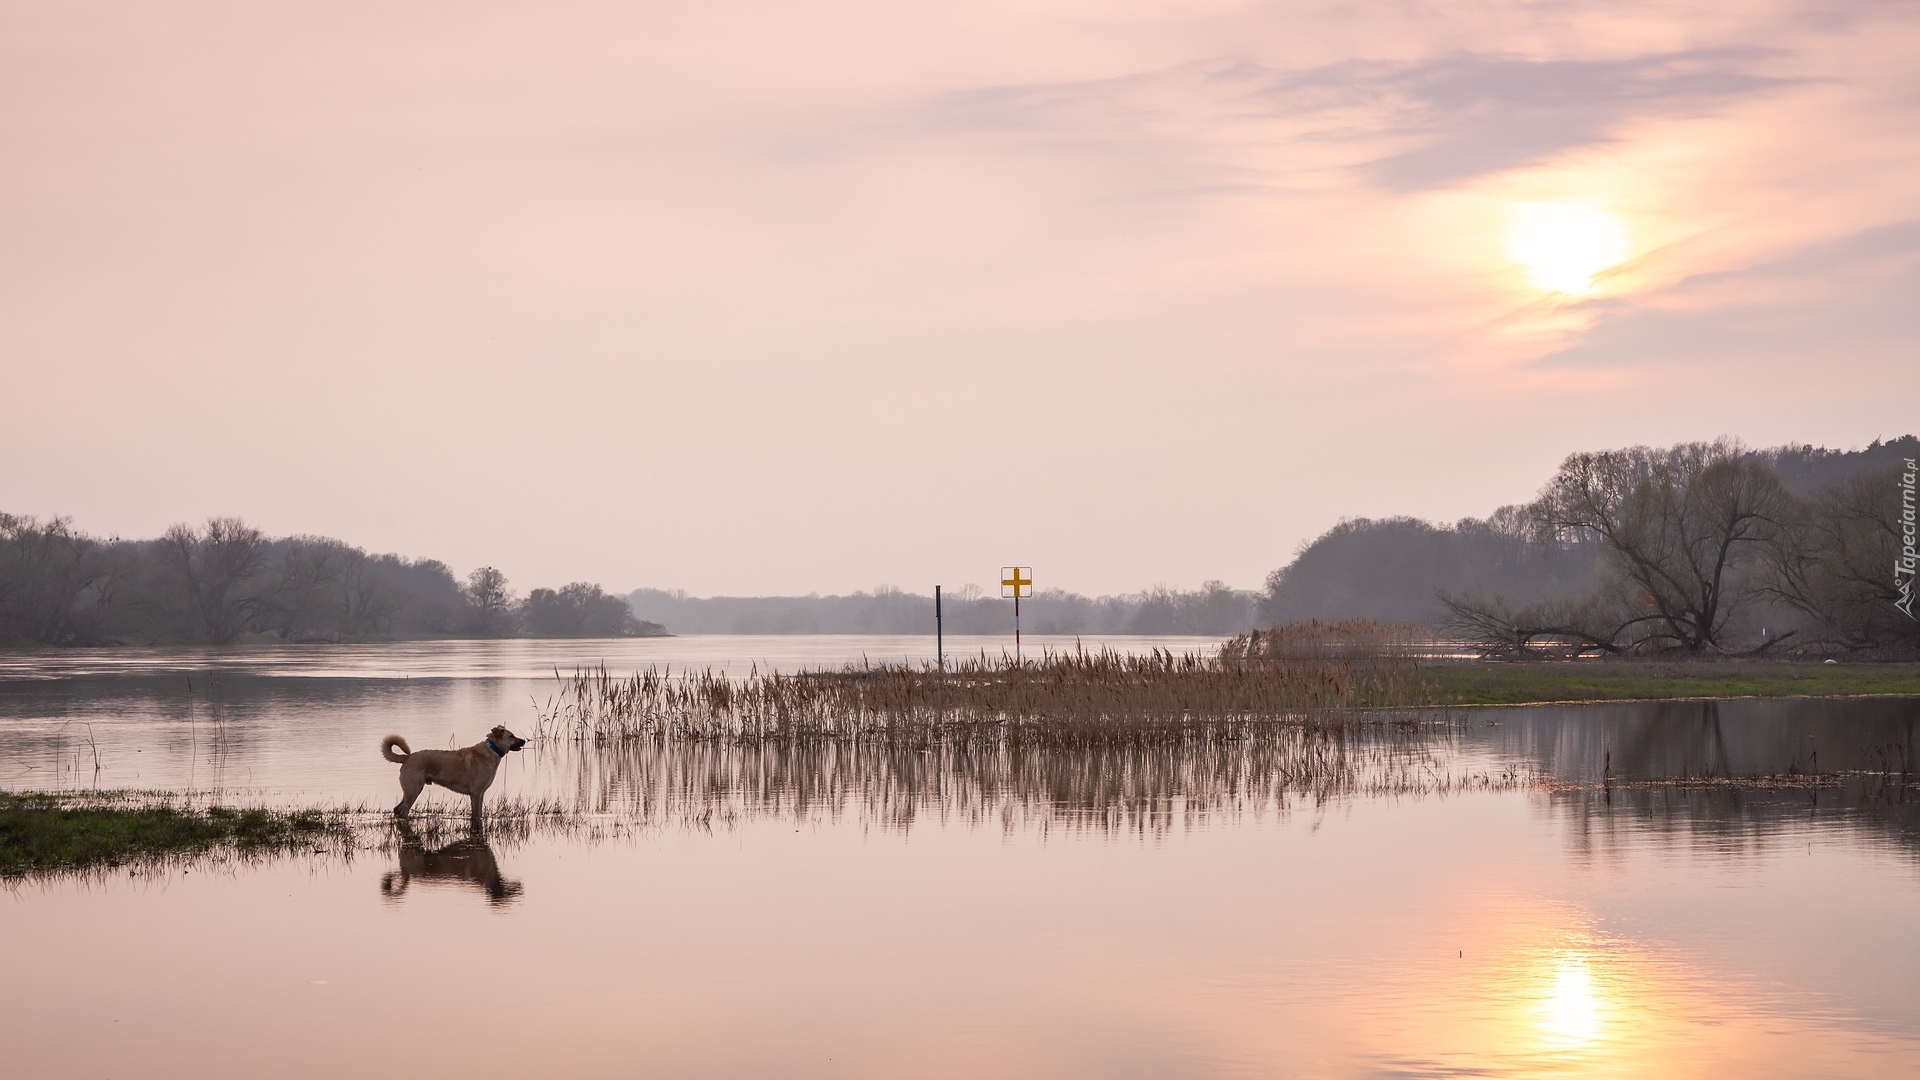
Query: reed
[1354, 640]
[1065, 700]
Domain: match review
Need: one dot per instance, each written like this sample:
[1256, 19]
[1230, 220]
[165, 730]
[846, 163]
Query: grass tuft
[54, 833]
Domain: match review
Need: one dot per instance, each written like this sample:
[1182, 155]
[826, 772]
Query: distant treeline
[226, 582]
[1698, 547]
[1214, 608]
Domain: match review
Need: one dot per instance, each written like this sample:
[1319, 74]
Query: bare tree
[1689, 528]
[1561, 628]
[317, 588]
[490, 605]
[47, 572]
[1836, 559]
[366, 603]
[216, 571]
[294, 599]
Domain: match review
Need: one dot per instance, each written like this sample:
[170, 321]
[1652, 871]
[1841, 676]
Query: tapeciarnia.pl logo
[1903, 566]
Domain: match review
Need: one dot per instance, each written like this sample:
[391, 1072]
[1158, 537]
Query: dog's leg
[477, 796]
[411, 785]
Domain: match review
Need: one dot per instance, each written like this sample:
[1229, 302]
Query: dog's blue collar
[496, 750]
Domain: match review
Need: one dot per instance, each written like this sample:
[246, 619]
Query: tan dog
[467, 771]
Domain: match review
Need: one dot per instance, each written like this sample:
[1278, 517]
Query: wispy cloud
[1864, 250]
[1484, 114]
[1465, 115]
[1849, 296]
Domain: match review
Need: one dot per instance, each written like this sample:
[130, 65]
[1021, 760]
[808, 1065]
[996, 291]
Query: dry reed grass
[1066, 700]
[1352, 640]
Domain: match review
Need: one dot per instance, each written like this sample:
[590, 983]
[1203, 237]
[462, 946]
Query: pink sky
[777, 297]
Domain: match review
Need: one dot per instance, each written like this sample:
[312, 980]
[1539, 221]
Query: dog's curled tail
[386, 748]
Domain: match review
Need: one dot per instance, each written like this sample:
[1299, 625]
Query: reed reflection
[468, 861]
[1148, 789]
[1703, 766]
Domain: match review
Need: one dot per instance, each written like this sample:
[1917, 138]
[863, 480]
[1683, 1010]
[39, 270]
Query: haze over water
[1416, 910]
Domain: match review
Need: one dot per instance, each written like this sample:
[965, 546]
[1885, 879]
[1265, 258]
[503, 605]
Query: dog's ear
[499, 731]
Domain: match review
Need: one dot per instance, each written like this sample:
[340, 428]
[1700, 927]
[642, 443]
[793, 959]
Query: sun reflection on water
[1572, 1011]
[1547, 992]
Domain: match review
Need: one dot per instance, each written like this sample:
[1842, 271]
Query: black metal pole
[939, 634]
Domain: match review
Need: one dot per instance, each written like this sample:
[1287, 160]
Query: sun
[1564, 245]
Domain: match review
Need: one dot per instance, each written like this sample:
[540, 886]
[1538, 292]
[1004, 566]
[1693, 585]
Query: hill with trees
[1700, 547]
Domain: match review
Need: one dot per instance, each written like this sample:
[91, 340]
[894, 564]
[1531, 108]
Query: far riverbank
[1472, 683]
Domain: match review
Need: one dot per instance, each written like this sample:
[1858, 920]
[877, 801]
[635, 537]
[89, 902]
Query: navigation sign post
[1016, 582]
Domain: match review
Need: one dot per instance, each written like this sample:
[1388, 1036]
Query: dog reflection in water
[467, 861]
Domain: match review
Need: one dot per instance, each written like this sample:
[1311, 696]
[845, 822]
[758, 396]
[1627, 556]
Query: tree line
[1706, 547]
[1213, 609]
[226, 582]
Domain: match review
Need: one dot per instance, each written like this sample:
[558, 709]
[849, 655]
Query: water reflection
[1570, 1009]
[1551, 993]
[1739, 817]
[1761, 780]
[1652, 740]
[1469, 895]
[1148, 790]
[1576, 1002]
[467, 862]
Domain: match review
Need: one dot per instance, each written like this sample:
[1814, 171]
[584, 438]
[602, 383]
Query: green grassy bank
[42, 833]
[1492, 683]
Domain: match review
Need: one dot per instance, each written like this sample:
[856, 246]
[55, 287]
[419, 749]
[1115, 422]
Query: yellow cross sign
[1016, 582]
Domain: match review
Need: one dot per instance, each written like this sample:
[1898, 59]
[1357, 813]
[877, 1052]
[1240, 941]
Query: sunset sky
[789, 297]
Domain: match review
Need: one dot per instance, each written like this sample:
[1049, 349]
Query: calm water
[1400, 905]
